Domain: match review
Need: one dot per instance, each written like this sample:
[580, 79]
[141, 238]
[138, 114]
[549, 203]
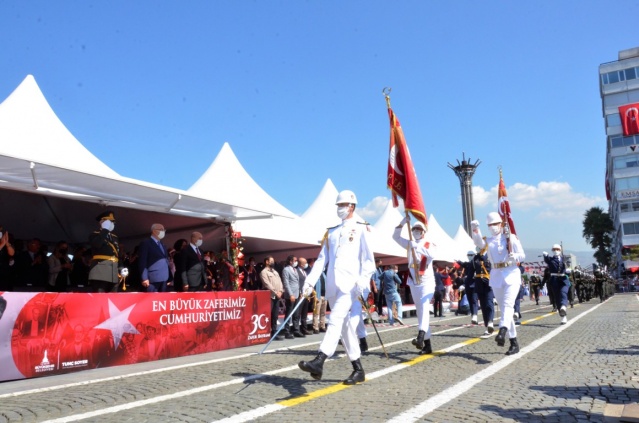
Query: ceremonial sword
[283, 325]
[361, 300]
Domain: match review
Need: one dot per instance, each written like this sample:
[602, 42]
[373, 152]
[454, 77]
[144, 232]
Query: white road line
[140, 403]
[135, 404]
[455, 391]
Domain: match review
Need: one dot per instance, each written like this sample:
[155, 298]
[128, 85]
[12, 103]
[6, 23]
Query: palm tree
[597, 229]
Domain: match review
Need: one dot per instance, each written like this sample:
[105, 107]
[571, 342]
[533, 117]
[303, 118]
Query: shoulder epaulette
[368, 226]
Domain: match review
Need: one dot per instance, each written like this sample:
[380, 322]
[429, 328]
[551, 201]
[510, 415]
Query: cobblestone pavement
[563, 373]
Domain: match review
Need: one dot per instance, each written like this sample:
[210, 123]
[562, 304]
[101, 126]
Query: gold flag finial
[386, 91]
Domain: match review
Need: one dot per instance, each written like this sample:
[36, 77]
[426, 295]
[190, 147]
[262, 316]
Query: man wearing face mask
[504, 252]
[558, 281]
[154, 261]
[421, 279]
[271, 280]
[192, 265]
[346, 252]
[103, 273]
[291, 280]
[302, 266]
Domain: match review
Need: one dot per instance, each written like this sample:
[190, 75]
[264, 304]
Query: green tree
[597, 232]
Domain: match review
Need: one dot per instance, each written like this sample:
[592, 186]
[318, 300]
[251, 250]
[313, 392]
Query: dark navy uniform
[559, 283]
[485, 294]
[103, 273]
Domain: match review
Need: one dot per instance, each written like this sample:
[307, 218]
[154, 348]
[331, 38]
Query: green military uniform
[103, 274]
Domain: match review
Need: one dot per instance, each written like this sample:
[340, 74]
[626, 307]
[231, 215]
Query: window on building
[626, 161]
[619, 76]
[613, 120]
[621, 141]
[622, 184]
[631, 228]
[629, 207]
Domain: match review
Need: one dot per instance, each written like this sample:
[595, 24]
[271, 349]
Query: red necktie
[199, 256]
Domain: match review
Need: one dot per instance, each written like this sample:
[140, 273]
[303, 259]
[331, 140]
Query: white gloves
[545, 254]
[307, 290]
[405, 221]
[124, 272]
[474, 226]
[461, 288]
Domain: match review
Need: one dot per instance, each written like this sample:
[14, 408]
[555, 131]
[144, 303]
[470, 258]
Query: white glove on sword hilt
[124, 272]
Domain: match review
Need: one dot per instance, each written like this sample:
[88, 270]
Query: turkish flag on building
[402, 179]
[629, 115]
[504, 205]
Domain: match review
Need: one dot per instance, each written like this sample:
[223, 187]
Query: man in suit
[154, 261]
[192, 265]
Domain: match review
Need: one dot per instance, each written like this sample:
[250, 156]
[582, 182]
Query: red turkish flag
[629, 115]
[402, 179]
[503, 205]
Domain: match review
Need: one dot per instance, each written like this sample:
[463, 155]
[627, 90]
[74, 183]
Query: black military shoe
[358, 374]
[514, 347]
[501, 337]
[363, 345]
[427, 349]
[315, 367]
[419, 341]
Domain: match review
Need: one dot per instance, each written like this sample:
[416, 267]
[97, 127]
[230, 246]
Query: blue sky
[154, 89]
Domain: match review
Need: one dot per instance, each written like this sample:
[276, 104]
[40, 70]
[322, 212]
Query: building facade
[619, 89]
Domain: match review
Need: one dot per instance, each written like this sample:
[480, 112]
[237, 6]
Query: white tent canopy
[52, 187]
[321, 213]
[445, 248]
[238, 187]
[463, 240]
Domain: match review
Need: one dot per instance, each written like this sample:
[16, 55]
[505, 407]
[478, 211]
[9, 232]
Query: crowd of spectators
[36, 266]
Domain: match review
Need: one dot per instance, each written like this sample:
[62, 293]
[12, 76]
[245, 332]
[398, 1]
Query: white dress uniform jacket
[351, 260]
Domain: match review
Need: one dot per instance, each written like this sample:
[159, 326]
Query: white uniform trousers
[422, 294]
[505, 283]
[361, 327]
[346, 313]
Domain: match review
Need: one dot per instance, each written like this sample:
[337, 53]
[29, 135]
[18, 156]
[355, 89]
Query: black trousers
[438, 303]
[275, 311]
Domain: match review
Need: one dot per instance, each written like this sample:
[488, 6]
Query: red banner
[629, 115]
[402, 178]
[49, 333]
[504, 205]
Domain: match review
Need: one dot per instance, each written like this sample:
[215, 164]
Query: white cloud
[374, 209]
[546, 200]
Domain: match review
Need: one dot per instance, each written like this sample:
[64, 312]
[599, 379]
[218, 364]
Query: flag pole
[506, 223]
[412, 250]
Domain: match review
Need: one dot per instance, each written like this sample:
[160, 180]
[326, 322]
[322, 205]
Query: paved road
[563, 374]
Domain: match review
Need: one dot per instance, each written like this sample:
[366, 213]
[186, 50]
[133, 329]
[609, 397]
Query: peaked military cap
[105, 215]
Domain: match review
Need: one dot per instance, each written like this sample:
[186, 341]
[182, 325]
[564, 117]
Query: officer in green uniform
[103, 275]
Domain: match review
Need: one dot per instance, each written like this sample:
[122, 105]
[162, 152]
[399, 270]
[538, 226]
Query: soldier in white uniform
[421, 279]
[505, 276]
[351, 263]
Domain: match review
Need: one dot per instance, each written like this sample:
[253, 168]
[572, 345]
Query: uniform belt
[502, 265]
[482, 275]
[557, 274]
[110, 258]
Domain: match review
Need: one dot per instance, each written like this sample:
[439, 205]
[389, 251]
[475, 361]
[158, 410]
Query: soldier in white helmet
[504, 252]
[559, 283]
[421, 279]
[350, 264]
